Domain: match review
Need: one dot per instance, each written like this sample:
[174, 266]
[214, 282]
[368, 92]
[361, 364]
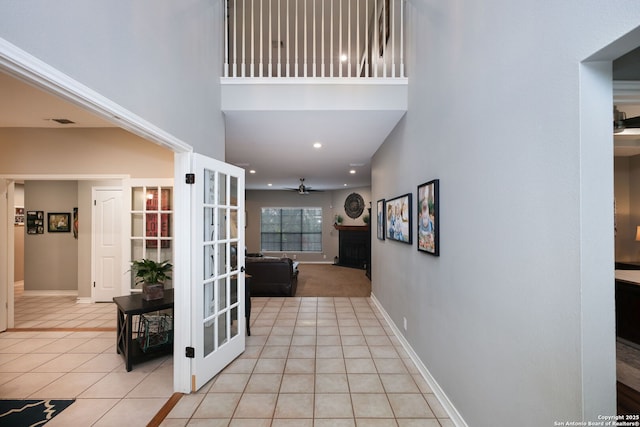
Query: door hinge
[94, 203]
[190, 178]
[190, 352]
[94, 284]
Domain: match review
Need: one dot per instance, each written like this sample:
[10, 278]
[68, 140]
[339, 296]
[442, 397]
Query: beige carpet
[328, 280]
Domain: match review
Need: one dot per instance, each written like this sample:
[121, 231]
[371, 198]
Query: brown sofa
[272, 276]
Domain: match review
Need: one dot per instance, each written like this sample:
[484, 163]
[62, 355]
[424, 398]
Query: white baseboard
[84, 300]
[453, 413]
[51, 293]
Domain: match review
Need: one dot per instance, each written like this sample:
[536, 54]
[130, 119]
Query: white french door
[217, 294]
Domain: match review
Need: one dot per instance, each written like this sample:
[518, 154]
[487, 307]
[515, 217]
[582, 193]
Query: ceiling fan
[302, 189]
[621, 122]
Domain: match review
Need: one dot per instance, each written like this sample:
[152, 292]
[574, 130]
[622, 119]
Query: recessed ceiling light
[252, 171]
[343, 57]
[269, 184]
[345, 185]
[352, 171]
[317, 145]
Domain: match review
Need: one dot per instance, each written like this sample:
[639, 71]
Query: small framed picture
[59, 222]
[19, 216]
[35, 223]
[380, 216]
[398, 219]
[429, 218]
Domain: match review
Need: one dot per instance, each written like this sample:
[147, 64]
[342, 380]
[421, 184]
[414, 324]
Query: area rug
[327, 280]
[30, 413]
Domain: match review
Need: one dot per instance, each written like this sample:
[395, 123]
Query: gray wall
[503, 317]
[160, 59]
[51, 259]
[331, 202]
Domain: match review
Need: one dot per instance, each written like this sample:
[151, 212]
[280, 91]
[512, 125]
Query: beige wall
[81, 151]
[51, 259]
[331, 202]
[99, 151]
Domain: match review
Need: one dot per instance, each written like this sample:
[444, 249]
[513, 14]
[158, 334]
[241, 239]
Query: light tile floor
[309, 362]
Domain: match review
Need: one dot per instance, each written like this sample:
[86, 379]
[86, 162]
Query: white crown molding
[32, 70]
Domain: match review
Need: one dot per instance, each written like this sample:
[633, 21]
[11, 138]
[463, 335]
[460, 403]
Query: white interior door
[107, 244]
[218, 298]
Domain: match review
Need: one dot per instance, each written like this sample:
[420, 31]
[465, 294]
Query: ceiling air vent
[63, 121]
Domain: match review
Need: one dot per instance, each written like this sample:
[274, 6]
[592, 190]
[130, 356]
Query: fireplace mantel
[351, 227]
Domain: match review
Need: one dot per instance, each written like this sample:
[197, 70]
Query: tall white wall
[160, 59]
[513, 320]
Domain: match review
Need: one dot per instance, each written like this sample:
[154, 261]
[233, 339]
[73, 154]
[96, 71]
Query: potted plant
[365, 218]
[338, 219]
[152, 275]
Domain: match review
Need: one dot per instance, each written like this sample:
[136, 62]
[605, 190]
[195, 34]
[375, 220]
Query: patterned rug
[30, 413]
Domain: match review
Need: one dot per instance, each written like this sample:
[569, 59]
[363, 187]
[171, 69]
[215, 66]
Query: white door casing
[107, 214]
[217, 280]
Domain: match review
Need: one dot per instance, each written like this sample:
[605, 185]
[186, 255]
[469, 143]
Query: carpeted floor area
[328, 280]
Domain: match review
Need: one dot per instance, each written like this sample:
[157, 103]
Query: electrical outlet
[404, 320]
[324, 256]
[295, 256]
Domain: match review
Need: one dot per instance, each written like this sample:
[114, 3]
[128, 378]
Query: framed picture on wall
[380, 218]
[398, 219]
[19, 216]
[59, 222]
[35, 222]
[429, 218]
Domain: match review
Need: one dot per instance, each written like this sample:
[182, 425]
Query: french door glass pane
[234, 191]
[222, 328]
[234, 322]
[222, 258]
[209, 300]
[222, 188]
[222, 294]
[209, 332]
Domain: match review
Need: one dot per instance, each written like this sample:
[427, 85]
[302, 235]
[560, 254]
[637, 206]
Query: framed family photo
[398, 218]
[380, 216]
[429, 218]
[58, 222]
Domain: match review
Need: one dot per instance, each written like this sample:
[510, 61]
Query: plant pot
[152, 291]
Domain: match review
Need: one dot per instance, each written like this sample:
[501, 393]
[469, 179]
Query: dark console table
[133, 305]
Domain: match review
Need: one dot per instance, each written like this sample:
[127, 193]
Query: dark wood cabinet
[628, 311]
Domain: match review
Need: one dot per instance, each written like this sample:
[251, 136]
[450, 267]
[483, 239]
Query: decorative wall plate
[354, 205]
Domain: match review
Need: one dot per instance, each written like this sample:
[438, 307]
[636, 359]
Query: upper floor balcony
[320, 63]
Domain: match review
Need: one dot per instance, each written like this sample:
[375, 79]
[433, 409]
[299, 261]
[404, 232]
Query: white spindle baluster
[226, 40]
[313, 3]
[287, 44]
[297, 57]
[235, 44]
[261, 40]
[340, 41]
[402, 39]
[278, 40]
[305, 40]
[349, 39]
[393, 38]
[331, 42]
[322, 33]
